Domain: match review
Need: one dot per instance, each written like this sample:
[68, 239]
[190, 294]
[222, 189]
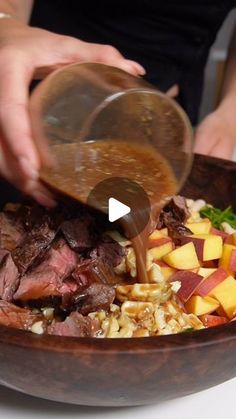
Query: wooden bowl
[133, 371]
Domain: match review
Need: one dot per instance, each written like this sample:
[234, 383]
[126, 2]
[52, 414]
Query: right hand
[27, 53]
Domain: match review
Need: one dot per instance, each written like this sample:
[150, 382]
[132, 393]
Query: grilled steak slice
[109, 251]
[74, 325]
[28, 215]
[33, 216]
[13, 316]
[3, 253]
[11, 232]
[178, 208]
[9, 276]
[95, 297]
[34, 244]
[80, 233]
[173, 216]
[94, 270]
[176, 230]
[47, 278]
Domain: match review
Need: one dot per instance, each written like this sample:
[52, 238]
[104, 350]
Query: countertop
[217, 402]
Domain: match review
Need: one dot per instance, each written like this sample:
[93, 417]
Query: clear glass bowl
[92, 102]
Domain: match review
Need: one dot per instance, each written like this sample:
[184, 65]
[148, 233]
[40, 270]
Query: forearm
[20, 9]
[216, 134]
[227, 103]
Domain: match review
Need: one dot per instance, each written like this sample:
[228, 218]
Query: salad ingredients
[218, 217]
[64, 273]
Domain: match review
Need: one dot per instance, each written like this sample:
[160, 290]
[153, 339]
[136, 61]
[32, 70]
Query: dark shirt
[170, 38]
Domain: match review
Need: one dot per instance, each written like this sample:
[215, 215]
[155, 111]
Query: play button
[123, 201]
[116, 210]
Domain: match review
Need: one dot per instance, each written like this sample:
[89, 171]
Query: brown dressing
[81, 167]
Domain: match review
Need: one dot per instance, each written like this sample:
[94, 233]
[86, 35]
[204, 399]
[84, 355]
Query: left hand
[214, 136]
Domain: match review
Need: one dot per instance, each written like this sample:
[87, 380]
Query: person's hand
[215, 137]
[27, 53]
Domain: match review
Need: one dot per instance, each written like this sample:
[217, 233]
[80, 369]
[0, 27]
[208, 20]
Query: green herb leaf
[217, 216]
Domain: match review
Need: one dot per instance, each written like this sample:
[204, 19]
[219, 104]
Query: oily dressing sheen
[80, 167]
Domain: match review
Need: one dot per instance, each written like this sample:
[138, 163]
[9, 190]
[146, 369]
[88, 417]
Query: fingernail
[44, 200]
[173, 91]
[26, 167]
[142, 70]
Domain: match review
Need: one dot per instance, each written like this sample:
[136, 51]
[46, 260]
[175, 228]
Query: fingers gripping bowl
[114, 372]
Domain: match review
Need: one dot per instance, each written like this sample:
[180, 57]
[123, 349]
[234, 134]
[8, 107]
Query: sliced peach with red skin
[232, 261]
[210, 282]
[184, 257]
[225, 293]
[208, 246]
[166, 270]
[165, 246]
[202, 227]
[210, 320]
[231, 239]
[220, 233]
[158, 241]
[201, 305]
[189, 282]
[198, 244]
[225, 259]
[213, 264]
[220, 311]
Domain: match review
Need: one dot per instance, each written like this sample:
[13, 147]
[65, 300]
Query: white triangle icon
[116, 209]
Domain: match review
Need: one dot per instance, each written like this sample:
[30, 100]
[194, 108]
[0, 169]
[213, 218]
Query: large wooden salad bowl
[132, 371]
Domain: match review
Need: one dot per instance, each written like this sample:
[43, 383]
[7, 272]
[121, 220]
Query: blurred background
[214, 69]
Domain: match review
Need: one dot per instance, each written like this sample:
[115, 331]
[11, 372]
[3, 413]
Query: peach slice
[189, 282]
[203, 227]
[184, 257]
[225, 260]
[208, 246]
[166, 270]
[225, 293]
[210, 282]
[165, 246]
[201, 305]
[210, 320]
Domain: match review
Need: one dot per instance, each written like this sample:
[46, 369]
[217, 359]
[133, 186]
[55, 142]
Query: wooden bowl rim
[152, 344]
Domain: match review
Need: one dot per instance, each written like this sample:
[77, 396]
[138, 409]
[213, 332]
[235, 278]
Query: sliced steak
[109, 251]
[94, 270]
[13, 316]
[176, 230]
[47, 279]
[33, 216]
[95, 297]
[9, 276]
[80, 233]
[178, 208]
[173, 216]
[74, 325]
[3, 253]
[27, 215]
[42, 226]
[11, 232]
[34, 244]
